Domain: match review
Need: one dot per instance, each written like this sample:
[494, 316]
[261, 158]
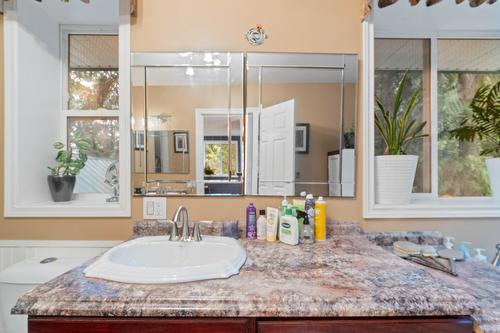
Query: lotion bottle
[289, 228]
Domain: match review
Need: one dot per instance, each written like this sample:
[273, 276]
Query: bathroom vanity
[345, 284]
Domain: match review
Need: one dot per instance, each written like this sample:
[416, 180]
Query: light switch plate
[154, 208]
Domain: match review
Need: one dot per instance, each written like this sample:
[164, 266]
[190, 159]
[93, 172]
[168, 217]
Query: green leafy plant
[484, 121]
[72, 159]
[396, 125]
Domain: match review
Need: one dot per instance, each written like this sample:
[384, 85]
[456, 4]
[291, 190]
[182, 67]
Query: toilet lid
[32, 271]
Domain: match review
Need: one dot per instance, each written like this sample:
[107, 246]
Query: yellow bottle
[320, 220]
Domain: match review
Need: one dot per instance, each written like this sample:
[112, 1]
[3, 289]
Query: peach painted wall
[293, 26]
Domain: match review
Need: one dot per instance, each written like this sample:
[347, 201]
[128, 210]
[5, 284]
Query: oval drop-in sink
[158, 260]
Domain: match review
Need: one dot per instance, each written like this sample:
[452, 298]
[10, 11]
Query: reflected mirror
[300, 120]
[187, 122]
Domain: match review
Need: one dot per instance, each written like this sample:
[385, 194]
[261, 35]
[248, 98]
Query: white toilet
[20, 278]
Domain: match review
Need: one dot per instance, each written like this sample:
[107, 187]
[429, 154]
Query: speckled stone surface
[345, 276]
[481, 280]
[419, 237]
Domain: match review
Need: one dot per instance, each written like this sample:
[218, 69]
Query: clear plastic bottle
[308, 236]
[262, 225]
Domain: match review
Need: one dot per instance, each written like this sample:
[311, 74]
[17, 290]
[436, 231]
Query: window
[451, 177]
[463, 66]
[92, 72]
[217, 156]
[394, 58]
[92, 100]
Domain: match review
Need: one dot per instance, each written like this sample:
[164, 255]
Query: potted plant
[70, 161]
[484, 124]
[395, 171]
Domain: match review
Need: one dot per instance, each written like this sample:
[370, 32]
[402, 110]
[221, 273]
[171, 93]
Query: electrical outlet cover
[154, 208]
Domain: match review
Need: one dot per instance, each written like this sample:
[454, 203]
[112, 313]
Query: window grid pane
[93, 72]
[393, 58]
[463, 66]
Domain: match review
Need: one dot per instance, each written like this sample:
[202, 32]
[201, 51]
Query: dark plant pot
[61, 187]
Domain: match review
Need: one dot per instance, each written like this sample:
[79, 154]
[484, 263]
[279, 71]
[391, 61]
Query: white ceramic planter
[394, 176]
[493, 166]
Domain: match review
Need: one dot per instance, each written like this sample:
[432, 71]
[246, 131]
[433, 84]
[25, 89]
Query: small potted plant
[70, 161]
[484, 124]
[395, 171]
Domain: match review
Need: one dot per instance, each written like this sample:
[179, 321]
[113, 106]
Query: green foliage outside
[462, 170]
[102, 134]
[216, 158]
[93, 90]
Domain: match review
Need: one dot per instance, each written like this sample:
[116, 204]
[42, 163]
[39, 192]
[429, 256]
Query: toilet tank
[22, 277]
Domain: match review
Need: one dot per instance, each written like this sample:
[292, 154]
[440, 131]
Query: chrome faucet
[496, 260]
[181, 215]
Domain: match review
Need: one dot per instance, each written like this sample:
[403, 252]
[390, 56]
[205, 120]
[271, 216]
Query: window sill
[84, 205]
[480, 207]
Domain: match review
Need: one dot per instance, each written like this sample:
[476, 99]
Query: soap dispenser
[307, 236]
[480, 257]
[448, 242]
[464, 247]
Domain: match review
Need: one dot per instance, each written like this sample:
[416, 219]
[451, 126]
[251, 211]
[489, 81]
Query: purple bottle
[251, 222]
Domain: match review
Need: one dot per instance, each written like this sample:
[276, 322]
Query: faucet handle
[174, 231]
[196, 235]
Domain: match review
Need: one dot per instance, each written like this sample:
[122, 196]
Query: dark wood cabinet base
[249, 325]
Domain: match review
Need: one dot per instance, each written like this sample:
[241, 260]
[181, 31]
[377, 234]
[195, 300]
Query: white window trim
[422, 205]
[87, 205]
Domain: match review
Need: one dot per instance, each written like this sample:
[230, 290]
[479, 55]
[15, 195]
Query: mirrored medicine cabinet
[229, 123]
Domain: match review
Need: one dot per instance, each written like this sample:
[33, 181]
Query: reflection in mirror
[301, 124]
[187, 122]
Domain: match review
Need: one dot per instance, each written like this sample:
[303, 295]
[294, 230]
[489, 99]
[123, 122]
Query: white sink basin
[158, 260]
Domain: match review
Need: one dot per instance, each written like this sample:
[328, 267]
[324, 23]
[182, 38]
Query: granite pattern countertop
[345, 276]
[481, 280]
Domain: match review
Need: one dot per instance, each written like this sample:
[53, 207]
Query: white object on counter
[480, 257]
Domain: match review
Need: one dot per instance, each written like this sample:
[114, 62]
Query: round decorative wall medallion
[256, 36]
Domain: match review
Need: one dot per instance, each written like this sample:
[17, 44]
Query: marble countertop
[481, 280]
[345, 276]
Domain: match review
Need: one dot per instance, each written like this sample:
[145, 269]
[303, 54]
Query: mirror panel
[301, 124]
[186, 101]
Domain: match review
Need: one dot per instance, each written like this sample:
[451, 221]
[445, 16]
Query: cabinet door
[451, 325]
[104, 325]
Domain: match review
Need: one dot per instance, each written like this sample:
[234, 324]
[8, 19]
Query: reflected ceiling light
[217, 62]
[190, 71]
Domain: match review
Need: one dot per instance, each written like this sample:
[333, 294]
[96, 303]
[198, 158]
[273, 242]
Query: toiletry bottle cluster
[303, 221]
[465, 249]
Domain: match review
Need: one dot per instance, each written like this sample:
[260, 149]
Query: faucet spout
[181, 215]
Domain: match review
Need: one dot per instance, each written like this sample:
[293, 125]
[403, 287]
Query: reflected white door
[277, 149]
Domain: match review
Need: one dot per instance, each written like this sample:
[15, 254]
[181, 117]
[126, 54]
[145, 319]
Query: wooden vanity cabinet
[248, 325]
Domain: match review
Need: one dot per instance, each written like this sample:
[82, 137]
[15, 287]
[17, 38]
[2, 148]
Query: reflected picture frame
[302, 138]
[181, 142]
